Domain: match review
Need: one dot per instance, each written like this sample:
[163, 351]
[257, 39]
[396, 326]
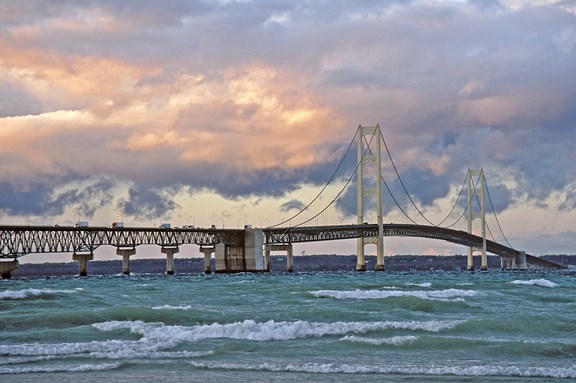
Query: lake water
[278, 327]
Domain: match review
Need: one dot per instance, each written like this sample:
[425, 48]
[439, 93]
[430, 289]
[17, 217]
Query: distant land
[302, 263]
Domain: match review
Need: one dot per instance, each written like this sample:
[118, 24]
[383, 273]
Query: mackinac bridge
[360, 188]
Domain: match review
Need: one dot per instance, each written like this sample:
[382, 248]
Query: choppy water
[319, 327]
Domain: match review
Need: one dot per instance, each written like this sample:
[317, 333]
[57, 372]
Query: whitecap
[424, 284]
[381, 294]
[60, 368]
[332, 368]
[394, 341]
[535, 282]
[266, 331]
[23, 294]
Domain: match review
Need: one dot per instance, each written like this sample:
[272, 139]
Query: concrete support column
[83, 259]
[522, 265]
[6, 268]
[289, 256]
[207, 258]
[483, 261]
[268, 248]
[267, 258]
[125, 254]
[360, 260]
[220, 257]
[170, 251]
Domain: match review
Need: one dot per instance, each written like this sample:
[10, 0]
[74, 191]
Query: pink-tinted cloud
[261, 97]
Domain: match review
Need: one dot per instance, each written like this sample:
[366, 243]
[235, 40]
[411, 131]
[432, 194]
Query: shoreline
[302, 263]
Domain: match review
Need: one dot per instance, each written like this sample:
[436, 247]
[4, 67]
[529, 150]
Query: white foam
[266, 331]
[331, 368]
[66, 349]
[394, 341]
[23, 294]
[60, 368]
[424, 284]
[448, 294]
[536, 282]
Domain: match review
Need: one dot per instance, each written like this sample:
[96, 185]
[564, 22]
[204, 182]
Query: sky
[238, 112]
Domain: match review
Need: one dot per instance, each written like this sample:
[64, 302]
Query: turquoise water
[315, 327]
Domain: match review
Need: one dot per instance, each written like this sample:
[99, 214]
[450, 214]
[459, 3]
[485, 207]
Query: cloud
[294, 205]
[258, 98]
[146, 204]
[45, 198]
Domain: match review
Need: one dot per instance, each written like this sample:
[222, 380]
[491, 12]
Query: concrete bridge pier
[169, 251]
[125, 254]
[83, 259]
[517, 262]
[207, 258]
[267, 257]
[268, 248]
[6, 268]
[289, 256]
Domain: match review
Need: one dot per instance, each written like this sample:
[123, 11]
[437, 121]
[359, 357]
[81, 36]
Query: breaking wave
[267, 331]
[447, 295]
[26, 293]
[331, 368]
[535, 282]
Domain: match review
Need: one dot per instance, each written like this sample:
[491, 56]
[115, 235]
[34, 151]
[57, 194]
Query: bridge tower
[368, 156]
[478, 192]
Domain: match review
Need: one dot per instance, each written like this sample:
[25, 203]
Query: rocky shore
[309, 263]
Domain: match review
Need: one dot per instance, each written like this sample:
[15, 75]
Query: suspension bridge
[361, 182]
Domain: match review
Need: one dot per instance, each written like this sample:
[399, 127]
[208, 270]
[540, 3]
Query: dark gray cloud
[40, 198]
[146, 204]
[33, 200]
[292, 205]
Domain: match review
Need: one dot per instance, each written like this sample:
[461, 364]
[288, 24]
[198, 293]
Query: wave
[267, 331]
[110, 349]
[60, 368]
[331, 368]
[23, 294]
[535, 282]
[446, 295]
[394, 341]
[169, 307]
[424, 284]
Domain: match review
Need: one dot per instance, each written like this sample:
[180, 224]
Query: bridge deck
[16, 241]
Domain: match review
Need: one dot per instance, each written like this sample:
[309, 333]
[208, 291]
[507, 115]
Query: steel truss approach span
[16, 241]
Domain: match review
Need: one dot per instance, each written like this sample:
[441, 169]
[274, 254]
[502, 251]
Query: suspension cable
[495, 216]
[396, 202]
[345, 186]
[325, 186]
